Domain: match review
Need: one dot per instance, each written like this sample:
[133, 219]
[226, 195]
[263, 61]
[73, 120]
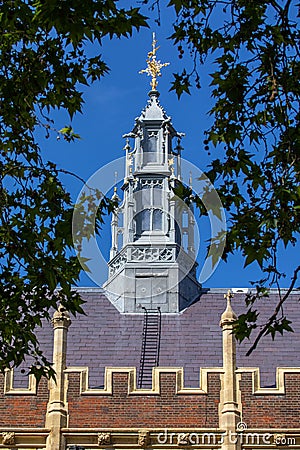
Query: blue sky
[111, 106]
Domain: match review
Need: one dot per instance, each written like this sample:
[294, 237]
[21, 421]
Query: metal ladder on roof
[150, 346]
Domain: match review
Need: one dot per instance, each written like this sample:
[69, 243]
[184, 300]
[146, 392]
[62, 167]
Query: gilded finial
[153, 66]
[171, 161]
[171, 166]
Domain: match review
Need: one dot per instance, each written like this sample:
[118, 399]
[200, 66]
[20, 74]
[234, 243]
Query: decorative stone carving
[104, 438]
[118, 263]
[143, 438]
[61, 317]
[152, 254]
[152, 182]
[8, 438]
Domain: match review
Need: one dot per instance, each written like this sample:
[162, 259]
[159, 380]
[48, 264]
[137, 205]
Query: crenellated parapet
[120, 382]
[273, 407]
[251, 374]
[177, 375]
[167, 403]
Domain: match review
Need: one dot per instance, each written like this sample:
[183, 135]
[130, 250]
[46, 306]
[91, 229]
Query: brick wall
[271, 411]
[23, 410]
[159, 410]
[164, 410]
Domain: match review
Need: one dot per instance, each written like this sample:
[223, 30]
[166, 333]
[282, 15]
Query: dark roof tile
[191, 339]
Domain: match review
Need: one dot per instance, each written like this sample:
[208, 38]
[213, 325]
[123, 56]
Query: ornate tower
[152, 258]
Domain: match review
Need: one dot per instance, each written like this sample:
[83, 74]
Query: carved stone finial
[61, 317]
[8, 438]
[228, 315]
[127, 145]
[104, 438]
[153, 66]
[228, 296]
[143, 438]
[115, 194]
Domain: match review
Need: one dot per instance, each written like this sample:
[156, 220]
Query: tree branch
[67, 172]
[274, 315]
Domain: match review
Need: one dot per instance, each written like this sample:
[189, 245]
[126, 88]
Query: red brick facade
[271, 411]
[122, 410]
[166, 409]
[24, 410]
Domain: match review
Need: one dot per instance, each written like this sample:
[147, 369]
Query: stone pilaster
[230, 414]
[56, 417]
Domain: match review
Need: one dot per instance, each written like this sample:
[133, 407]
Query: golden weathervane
[153, 66]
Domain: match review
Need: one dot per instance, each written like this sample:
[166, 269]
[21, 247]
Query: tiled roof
[191, 339]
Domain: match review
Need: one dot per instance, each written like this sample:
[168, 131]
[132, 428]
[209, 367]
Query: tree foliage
[254, 48]
[43, 62]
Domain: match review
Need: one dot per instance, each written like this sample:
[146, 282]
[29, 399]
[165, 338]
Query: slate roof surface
[191, 339]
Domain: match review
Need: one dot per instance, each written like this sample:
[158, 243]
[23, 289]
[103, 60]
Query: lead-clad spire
[153, 66]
